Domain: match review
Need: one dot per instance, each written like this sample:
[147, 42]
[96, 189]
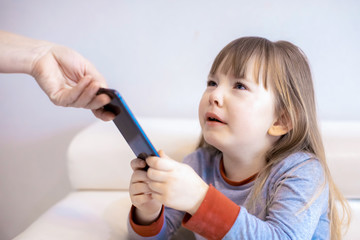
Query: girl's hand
[147, 208]
[175, 184]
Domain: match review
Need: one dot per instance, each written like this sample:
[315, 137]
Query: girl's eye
[211, 83]
[240, 86]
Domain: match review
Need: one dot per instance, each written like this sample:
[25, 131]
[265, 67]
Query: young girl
[260, 169]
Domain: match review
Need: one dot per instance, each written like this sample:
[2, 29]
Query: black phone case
[128, 126]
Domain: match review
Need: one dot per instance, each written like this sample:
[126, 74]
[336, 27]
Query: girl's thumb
[162, 154]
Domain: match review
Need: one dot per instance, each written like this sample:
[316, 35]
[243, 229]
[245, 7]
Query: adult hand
[65, 76]
[70, 80]
[175, 184]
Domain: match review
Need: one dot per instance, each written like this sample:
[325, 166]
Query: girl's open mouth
[213, 118]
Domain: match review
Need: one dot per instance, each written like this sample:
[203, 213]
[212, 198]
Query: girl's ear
[281, 126]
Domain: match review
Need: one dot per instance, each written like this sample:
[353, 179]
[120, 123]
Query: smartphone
[128, 126]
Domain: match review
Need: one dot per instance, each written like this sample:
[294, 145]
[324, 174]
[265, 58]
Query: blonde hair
[286, 66]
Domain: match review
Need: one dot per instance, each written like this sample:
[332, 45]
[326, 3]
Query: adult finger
[89, 99]
[98, 101]
[66, 97]
[103, 115]
[88, 95]
[91, 70]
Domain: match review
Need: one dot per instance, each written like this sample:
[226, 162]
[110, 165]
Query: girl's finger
[157, 187]
[157, 175]
[157, 196]
[137, 164]
[140, 199]
[139, 188]
[163, 164]
[139, 176]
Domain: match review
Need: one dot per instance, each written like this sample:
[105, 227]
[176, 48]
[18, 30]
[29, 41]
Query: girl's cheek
[202, 106]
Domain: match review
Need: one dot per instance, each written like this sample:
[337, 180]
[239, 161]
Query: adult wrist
[41, 49]
[18, 53]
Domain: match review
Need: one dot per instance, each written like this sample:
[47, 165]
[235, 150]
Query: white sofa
[99, 171]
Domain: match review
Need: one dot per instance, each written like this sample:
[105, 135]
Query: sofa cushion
[90, 215]
[99, 157]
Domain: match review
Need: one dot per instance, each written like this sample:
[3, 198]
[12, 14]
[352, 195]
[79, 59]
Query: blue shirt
[281, 210]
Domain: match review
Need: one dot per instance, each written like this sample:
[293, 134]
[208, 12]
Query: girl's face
[236, 114]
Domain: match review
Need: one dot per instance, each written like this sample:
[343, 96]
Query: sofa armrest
[342, 147]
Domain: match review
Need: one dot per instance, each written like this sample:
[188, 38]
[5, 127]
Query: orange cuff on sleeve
[147, 230]
[215, 216]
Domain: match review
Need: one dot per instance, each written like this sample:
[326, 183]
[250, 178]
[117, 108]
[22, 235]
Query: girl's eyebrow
[240, 79]
[211, 75]
[243, 78]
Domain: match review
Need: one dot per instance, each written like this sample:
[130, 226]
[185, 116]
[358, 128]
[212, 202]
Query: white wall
[157, 54]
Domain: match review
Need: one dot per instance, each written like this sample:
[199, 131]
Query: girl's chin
[214, 142]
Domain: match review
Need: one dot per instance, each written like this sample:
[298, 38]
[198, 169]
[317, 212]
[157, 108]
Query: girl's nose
[216, 97]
